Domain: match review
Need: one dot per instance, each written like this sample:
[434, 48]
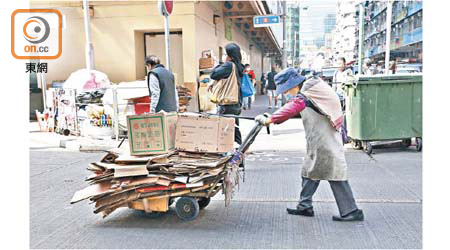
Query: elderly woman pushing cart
[322, 118]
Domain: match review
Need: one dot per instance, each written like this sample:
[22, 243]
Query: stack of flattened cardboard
[184, 96]
[121, 179]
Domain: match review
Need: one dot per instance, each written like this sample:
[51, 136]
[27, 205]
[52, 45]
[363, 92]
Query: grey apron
[325, 158]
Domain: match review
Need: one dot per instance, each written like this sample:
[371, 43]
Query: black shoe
[305, 212]
[356, 215]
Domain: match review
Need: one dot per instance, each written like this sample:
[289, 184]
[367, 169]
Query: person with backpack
[161, 85]
[223, 71]
[322, 118]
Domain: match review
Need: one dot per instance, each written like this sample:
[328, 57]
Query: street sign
[265, 21]
[165, 7]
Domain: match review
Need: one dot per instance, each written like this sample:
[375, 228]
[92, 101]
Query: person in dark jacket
[161, 86]
[263, 83]
[271, 87]
[223, 71]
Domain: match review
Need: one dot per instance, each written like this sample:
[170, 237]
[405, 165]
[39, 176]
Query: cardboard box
[196, 133]
[206, 63]
[151, 133]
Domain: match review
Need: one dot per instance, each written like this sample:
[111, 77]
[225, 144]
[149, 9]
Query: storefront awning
[241, 14]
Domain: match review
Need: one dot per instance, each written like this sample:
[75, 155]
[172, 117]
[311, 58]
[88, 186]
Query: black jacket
[223, 71]
[167, 96]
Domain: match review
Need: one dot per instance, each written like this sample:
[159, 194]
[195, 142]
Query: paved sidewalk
[47, 140]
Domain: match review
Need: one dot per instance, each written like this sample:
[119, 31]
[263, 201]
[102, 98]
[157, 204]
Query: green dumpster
[384, 107]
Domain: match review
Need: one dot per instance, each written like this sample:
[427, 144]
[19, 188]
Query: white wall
[210, 36]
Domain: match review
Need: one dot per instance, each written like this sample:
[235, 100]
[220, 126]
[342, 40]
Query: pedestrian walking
[161, 85]
[325, 159]
[367, 70]
[263, 83]
[393, 67]
[223, 71]
[340, 77]
[271, 87]
[252, 77]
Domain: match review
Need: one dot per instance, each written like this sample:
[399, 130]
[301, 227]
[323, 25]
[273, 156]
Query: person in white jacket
[340, 77]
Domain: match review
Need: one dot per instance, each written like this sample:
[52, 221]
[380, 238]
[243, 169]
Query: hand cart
[190, 202]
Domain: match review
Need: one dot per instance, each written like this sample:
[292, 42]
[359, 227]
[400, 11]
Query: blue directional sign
[265, 21]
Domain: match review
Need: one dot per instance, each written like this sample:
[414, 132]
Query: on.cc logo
[36, 30]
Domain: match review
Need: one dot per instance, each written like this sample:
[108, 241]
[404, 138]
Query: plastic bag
[246, 86]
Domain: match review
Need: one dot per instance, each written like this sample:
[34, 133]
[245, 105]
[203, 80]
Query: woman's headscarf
[234, 51]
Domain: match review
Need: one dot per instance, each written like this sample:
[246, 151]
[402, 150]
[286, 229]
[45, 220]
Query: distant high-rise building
[317, 18]
[329, 22]
[406, 31]
[293, 32]
[344, 40]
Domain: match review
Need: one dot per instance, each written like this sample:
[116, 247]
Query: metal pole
[167, 34]
[388, 37]
[284, 56]
[116, 112]
[361, 37]
[295, 49]
[44, 89]
[89, 50]
[77, 126]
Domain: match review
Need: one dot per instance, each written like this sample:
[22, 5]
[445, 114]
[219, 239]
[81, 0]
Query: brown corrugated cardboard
[206, 63]
[151, 133]
[197, 133]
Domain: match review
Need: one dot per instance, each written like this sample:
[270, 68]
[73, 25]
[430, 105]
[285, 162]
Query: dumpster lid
[362, 79]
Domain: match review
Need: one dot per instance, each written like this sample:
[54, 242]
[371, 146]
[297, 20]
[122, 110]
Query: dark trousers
[341, 190]
[234, 109]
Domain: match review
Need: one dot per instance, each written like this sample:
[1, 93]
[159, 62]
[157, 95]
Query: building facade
[293, 34]
[125, 32]
[406, 31]
[344, 40]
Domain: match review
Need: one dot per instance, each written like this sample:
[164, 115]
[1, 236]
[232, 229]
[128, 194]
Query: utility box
[197, 133]
[151, 133]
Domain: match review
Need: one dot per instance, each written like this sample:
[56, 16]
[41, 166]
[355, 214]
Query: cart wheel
[356, 144]
[203, 202]
[187, 208]
[367, 148]
[419, 144]
[171, 200]
[406, 143]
